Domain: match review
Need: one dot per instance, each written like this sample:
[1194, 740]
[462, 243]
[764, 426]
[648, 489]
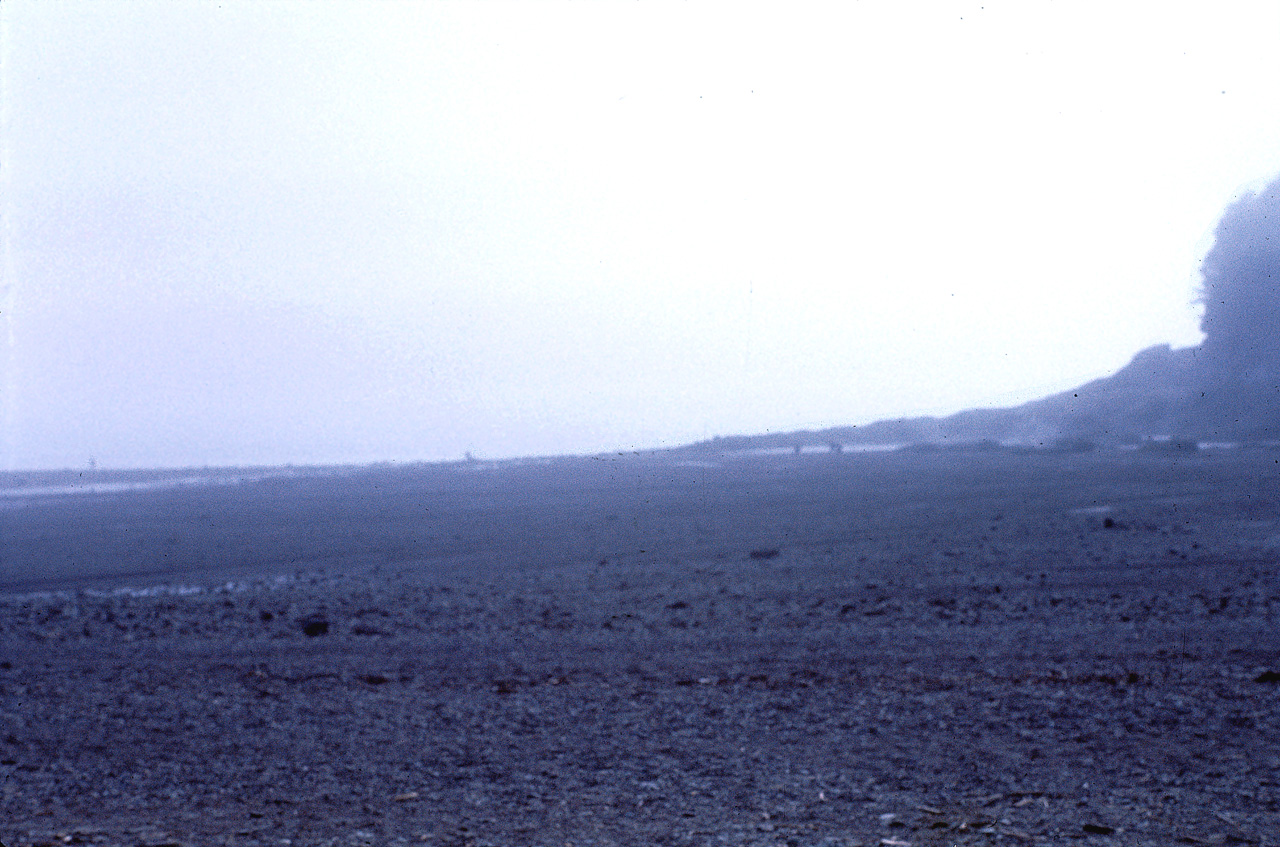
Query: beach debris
[405, 797]
[1267, 676]
[79, 836]
[314, 625]
[765, 553]
[1098, 829]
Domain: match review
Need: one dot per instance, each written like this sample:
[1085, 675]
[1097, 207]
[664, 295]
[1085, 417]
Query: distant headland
[1227, 390]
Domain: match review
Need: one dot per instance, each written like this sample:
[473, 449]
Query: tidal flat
[944, 648]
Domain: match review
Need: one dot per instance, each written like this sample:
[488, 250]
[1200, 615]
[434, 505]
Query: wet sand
[949, 648]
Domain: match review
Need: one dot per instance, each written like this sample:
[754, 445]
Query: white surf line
[160, 590]
[202, 480]
[114, 487]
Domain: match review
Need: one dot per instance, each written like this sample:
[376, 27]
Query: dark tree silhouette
[1241, 286]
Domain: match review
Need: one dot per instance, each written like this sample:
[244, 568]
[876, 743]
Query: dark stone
[1098, 829]
[765, 553]
[1267, 676]
[315, 625]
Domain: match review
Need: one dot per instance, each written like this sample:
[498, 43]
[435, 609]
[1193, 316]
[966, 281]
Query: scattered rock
[315, 625]
[786, 685]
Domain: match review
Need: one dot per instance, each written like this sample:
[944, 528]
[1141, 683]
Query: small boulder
[314, 625]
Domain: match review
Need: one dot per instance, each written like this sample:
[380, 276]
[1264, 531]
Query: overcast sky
[343, 232]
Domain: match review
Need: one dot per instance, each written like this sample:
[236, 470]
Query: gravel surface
[859, 650]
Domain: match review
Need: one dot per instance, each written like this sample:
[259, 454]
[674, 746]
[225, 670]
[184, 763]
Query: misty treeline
[1241, 297]
[1225, 390]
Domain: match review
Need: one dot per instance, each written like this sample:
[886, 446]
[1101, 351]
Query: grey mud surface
[978, 648]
